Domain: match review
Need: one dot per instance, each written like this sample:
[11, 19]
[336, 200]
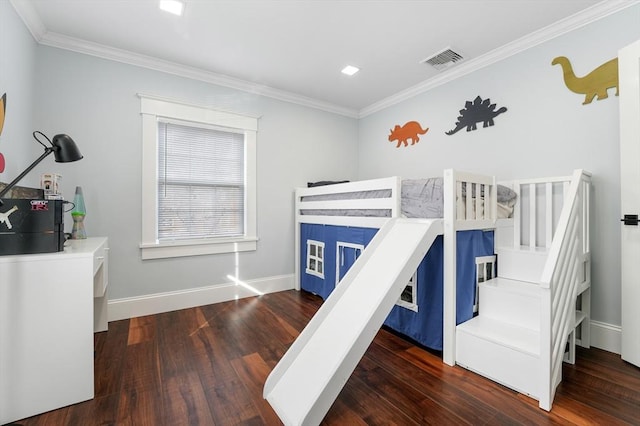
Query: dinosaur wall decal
[596, 83]
[410, 130]
[475, 112]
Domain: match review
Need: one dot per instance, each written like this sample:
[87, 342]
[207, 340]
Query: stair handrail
[559, 283]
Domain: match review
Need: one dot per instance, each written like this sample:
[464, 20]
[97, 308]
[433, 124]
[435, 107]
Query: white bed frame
[460, 213]
[550, 215]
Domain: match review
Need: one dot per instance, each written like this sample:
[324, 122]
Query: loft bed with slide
[336, 223]
[422, 248]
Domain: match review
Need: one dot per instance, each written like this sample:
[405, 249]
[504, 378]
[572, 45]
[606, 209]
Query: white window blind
[201, 182]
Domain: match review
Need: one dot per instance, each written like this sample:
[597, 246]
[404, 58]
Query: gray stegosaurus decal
[475, 112]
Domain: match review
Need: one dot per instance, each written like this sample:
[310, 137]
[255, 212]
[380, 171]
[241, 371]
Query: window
[315, 258]
[198, 189]
[409, 297]
[346, 256]
[200, 182]
[485, 271]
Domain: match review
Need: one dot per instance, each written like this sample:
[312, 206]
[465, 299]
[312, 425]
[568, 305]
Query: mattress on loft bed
[420, 198]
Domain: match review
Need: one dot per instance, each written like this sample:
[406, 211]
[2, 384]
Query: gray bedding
[420, 198]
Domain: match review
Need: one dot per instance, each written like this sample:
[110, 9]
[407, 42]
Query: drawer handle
[100, 257]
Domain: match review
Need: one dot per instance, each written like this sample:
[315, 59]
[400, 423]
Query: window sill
[314, 273]
[196, 247]
[410, 306]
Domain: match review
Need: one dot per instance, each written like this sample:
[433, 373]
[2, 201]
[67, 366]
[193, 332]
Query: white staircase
[536, 310]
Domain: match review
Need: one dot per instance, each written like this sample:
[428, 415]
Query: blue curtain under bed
[425, 325]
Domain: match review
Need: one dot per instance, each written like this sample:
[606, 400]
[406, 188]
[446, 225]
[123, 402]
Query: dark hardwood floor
[207, 366]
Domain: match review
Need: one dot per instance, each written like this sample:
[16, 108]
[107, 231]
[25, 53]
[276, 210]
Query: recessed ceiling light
[350, 70]
[172, 6]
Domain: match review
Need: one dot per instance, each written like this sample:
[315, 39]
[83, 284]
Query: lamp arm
[7, 188]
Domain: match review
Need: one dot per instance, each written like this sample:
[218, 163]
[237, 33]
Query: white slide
[307, 380]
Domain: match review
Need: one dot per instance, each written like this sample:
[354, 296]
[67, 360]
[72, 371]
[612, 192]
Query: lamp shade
[65, 149]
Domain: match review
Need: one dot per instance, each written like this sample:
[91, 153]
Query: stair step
[502, 352]
[521, 339]
[580, 316]
[512, 301]
[521, 263]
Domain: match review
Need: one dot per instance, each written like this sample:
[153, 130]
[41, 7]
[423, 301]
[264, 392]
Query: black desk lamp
[64, 150]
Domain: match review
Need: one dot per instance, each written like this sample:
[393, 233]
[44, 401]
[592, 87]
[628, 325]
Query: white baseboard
[606, 336]
[150, 304]
[603, 336]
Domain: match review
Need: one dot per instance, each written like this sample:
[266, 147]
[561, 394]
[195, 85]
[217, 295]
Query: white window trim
[413, 282]
[318, 259]
[340, 254]
[153, 108]
[481, 276]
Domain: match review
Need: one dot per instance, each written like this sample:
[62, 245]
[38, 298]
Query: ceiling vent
[443, 59]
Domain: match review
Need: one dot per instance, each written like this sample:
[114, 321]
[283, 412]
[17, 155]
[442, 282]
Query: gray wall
[95, 102]
[17, 70]
[545, 132]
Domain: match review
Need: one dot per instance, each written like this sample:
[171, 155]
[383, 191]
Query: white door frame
[629, 88]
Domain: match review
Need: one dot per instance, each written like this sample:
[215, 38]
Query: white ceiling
[295, 49]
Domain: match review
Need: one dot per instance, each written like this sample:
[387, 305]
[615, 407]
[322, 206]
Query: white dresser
[50, 306]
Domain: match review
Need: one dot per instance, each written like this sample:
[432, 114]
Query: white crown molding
[587, 16]
[30, 17]
[119, 55]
